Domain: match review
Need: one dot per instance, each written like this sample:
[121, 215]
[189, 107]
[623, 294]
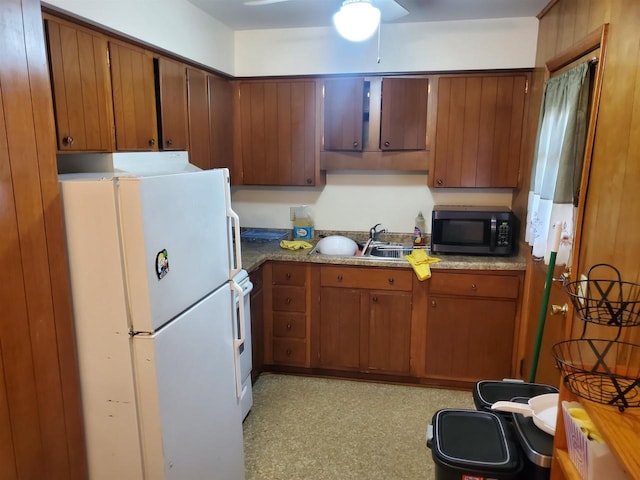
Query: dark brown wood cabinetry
[479, 131]
[79, 66]
[471, 325]
[172, 86]
[364, 321]
[134, 99]
[198, 109]
[403, 118]
[257, 323]
[286, 322]
[344, 102]
[278, 138]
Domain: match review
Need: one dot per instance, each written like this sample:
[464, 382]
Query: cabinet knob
[391, 280]
[152, 142]
[433, 303]
[169, 142]
[375, 299]
[67, 140]
[288, 326]
[355, 144]
[439, 182]
[386, 144]
[288, 275]
[309, 181]
[474, 286]
[288, 301]
[288, 352]
[339, 278]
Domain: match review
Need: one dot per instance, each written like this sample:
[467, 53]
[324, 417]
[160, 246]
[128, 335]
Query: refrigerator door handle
[235, 220]
[239, 337]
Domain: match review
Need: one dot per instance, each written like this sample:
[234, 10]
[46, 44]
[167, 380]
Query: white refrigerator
[151, 260]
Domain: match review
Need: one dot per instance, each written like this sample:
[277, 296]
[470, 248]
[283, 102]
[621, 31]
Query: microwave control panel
[504, 234]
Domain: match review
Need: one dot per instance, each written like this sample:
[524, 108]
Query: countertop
[255, 253]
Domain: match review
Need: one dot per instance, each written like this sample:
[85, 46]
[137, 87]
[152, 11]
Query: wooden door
[479, 131]
[386, 344]
[403, 119]
[79, 65]
[134, 98]
[172, 82]
[339, 329]
[198, 109]
[343, 114]
[278, 133]
[469, 339]
[40, 411]
[220, 123]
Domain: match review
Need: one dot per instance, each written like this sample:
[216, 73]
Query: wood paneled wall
[41, 432]
[611, 227]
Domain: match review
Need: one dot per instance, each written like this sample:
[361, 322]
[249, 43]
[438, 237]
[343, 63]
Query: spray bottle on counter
[420, 230]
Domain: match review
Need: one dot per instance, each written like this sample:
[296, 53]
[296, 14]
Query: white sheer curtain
[557, 165]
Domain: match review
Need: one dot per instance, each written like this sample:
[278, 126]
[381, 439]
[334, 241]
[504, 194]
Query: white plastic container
[302, 223]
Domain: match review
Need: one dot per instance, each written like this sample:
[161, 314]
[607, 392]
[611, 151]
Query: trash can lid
[536, 444]
[473, 439]
[488, 392]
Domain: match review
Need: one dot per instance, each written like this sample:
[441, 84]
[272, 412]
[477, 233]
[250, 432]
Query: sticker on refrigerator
[162, 263]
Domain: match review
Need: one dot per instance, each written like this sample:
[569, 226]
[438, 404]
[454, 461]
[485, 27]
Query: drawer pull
[433, 303]
[391, 280]
[288, 301]
[288, 352]
[288, 326]
[288, 275]
[339, 278]
[474, 286]
[375, 299]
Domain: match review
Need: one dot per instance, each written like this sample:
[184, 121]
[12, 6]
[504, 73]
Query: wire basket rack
[603, 298]
[602, 371]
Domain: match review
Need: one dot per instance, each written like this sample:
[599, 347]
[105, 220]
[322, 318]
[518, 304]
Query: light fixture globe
[356, 20]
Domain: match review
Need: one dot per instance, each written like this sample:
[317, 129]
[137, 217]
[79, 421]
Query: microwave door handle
[494, 233]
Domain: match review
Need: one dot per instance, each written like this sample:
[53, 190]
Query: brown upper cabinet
[210, 108]
[479, 131]
[345, 103]
[134, 99]
[278, 132]
[403, 118]
[172, 83]
[79, 66]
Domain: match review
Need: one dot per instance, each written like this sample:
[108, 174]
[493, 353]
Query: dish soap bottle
[302, 223]
[419, 231]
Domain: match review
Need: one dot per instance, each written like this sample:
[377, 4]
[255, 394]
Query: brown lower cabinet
[454, 329]
[257, 323]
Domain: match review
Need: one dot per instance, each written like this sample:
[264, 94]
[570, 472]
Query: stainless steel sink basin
[389, 250]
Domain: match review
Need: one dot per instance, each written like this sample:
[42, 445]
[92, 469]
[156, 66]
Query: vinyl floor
[306, 428]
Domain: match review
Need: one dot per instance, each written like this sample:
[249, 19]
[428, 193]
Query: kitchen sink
[389, 250]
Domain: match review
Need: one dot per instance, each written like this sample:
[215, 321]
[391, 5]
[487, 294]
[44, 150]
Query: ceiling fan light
[356, 20]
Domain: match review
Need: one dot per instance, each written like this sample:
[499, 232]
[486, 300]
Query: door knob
[559, 309]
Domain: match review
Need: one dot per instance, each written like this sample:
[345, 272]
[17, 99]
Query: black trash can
[536, 446]
[488, 392]
[472, 443]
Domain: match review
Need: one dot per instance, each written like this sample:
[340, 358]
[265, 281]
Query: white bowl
[337, 245]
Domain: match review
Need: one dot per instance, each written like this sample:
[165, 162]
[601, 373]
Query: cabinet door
[403, 120]
[79, 65]
[278, 133]
[386, 347]
[343, 114]
[479, 131]
[172, 83]
[134, 98]
[220, 122]
[198, 109]
[340, 328]
[469, 339]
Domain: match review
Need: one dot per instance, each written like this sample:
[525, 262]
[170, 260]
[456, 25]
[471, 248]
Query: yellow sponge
[420, 260]
[295, 244]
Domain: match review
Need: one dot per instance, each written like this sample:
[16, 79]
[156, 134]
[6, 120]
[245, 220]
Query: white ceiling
[318, 13]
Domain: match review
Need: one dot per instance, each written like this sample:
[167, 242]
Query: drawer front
[289, 351]
[289, 274]
[501, 286]
[368, 277]
[289, 325]
[289, 299]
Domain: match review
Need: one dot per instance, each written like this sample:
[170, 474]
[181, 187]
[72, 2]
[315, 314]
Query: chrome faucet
[374, 232]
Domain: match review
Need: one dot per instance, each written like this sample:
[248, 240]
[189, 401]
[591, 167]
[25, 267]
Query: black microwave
[473, 230]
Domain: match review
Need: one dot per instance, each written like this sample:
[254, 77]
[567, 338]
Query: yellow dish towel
[295, 244]
[581, 417]
[420, 260]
